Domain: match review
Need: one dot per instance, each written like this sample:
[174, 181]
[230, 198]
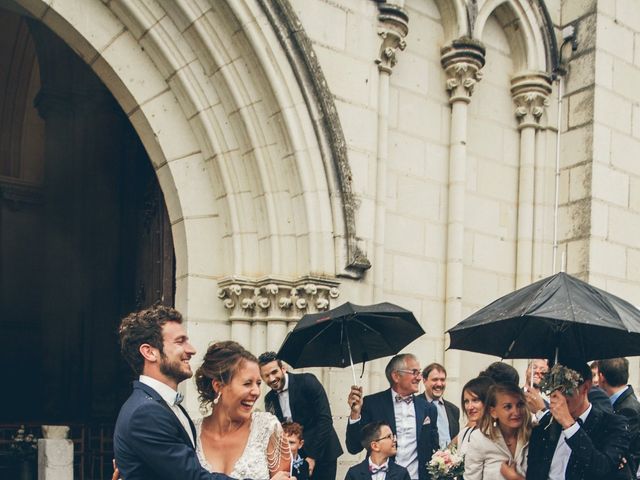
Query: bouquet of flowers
[560, 378]
[446, 464]
[24, 445]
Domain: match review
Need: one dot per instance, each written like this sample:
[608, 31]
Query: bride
[234, 439]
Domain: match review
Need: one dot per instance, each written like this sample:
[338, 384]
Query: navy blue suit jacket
[150, 443]
[596, 448]
[378, 407]
[361, 472]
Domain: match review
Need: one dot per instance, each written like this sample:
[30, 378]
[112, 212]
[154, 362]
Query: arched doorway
[84, 232]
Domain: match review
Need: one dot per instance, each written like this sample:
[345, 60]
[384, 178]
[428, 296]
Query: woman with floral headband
[498, 447]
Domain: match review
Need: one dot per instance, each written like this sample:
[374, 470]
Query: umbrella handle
[353, 370]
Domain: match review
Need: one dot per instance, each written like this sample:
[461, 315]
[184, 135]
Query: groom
[154, 437]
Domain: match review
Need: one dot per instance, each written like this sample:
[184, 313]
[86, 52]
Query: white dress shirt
[381, 475]
[562, 453]
[407, 436]
[168, 394]
[283, 399]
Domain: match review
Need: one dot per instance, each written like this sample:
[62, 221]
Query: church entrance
[84, 236]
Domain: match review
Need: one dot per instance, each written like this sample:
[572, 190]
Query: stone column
[462, 62]
[530, 92]
[393, 28]
[55, 459]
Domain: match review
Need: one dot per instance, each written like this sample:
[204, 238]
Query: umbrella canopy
[557, 314]
[349, 334]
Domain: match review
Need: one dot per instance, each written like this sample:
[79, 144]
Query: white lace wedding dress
[253, 461]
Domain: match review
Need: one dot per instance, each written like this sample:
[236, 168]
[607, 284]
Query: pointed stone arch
[250, 185]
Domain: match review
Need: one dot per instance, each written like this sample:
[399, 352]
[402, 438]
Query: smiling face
[539, 367]
[407, 379]
[386, 443]
[241, 393]
[435, 384]
[473, 406]
[273, 375]
[176, 353]
[509, 411]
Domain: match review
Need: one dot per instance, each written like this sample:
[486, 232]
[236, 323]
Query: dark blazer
[310, 408]
[453, 416]
[596, 448]
[361, 472]
[599, 399]
[301, 472]
[378, 407]
[150, 443]
[627, 405]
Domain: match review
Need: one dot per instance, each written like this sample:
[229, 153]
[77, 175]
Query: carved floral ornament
[276, 299]
[393, 28]
[530, 92]
[532, 103]
[462, 74]
[462, 62]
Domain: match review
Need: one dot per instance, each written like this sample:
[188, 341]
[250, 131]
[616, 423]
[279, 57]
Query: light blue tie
[443, 425]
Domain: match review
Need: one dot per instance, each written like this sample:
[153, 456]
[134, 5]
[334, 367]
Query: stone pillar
[462, 62]
[55, 459]
[530, 92]
[393, 27]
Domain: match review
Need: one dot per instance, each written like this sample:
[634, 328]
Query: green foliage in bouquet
[446, 464]
[560, 378]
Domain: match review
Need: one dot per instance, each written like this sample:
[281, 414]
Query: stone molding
[274, 298]
[326, 122]
[462, 62]
[394, 26]
[530, 92]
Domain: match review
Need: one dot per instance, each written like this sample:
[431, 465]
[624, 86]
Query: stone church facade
[311, 152]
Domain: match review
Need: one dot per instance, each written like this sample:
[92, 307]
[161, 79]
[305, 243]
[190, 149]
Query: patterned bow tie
[298, 462]
[407, 399]
[179, 398]
[375, 470]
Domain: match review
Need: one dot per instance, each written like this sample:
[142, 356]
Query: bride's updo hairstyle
[221, 362]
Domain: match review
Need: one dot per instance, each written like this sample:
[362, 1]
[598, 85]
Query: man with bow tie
[154, 438]
[411, 418]
[301, 398]
[576, 441]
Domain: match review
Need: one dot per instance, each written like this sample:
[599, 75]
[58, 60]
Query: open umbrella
[557, 314]
[349, 334]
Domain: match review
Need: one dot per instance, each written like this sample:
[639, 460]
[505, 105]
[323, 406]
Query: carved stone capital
[272, 298]
[530, 92]
[394, 26]
[462, 62]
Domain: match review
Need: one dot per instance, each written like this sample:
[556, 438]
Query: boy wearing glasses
[409, 416]
[380, 443]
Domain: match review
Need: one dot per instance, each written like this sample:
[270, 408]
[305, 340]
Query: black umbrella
[349, 334]
[557, 314]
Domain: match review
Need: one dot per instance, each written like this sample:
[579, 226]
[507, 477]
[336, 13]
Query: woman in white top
[474, 396]
[234, 439]
[498, 447]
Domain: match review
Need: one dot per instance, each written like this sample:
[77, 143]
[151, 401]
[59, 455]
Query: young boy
[380, 444]
[293, 434]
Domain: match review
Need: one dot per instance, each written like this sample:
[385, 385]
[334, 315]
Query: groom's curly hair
[144, 326]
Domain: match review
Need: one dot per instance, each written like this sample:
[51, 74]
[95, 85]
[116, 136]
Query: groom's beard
[174, 369]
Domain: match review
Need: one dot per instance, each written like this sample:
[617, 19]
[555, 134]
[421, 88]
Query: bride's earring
[217, 399]
[495, 422]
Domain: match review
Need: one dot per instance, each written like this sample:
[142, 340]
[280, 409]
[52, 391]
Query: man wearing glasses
[411, 418]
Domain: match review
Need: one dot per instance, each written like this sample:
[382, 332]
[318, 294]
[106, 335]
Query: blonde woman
[498, 447]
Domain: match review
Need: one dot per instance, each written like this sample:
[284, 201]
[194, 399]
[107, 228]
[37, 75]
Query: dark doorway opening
[84, 237]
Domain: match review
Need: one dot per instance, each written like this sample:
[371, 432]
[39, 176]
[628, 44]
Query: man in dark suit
[434, 378]
[301, 398]
[613, 376]
[154, 437]
[574, 440]
[381, 445]
[410, 417]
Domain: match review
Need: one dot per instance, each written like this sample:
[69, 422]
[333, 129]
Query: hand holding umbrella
[355, 401]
